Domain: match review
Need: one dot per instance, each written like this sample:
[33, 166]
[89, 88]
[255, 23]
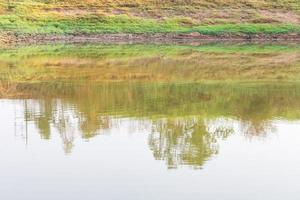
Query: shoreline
[9, 38]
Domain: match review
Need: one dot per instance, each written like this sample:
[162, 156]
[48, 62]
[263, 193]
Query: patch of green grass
[125, 24]
[247, 29]
[125, 51]
[89, 25]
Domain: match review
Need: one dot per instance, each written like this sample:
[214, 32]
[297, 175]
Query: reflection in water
[179, 91]
[181, 116]
[48, 114]
[150, 62]
[185, 141]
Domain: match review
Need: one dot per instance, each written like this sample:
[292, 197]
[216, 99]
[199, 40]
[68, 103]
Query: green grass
[138, 16]
[120, 24]
[125, 24]
[247, 29]
[136, 50]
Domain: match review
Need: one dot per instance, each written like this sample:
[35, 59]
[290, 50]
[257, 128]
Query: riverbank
[9, 38]
[32, 21]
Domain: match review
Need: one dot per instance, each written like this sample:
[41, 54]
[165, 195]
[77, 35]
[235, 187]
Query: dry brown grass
[199, 11]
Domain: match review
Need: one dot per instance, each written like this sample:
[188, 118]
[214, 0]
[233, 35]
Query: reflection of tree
[255, 112]
[184, 141]
[42, 120]
[51, 113]
[256, 128]
[90, 126]
[65, 127]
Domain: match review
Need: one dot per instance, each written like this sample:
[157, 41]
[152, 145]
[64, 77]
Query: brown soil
[10, 38]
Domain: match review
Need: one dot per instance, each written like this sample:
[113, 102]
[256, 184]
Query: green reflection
[185, 141]
[163, 63]
[181, 91]
[182, 116]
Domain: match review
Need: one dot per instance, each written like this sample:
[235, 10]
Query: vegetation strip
[135, 20]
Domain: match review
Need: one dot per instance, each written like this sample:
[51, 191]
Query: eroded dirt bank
[7, 38]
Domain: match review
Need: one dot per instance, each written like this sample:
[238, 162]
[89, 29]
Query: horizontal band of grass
[150, 63]
[125, 24]
[125, 51]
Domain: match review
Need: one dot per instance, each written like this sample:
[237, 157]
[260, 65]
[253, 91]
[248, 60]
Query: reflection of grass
[162, 63]
[208, 100]
[181, 115]
[175, 99]
[9, 90]
[113, 51]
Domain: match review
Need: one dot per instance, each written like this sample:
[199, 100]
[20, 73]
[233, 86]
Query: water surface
[150, 122]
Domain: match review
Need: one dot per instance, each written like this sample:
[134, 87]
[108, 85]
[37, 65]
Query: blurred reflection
[151, 62]
[185, 141]
[180, 91]
[182, 116]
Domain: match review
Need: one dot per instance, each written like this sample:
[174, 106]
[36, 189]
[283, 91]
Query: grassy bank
[89, 24]
[125, 24]
[206, 17]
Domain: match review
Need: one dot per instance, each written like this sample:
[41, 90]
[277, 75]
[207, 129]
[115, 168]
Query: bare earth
[9, 38]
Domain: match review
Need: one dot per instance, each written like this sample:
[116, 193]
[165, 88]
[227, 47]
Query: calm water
[116, 122]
